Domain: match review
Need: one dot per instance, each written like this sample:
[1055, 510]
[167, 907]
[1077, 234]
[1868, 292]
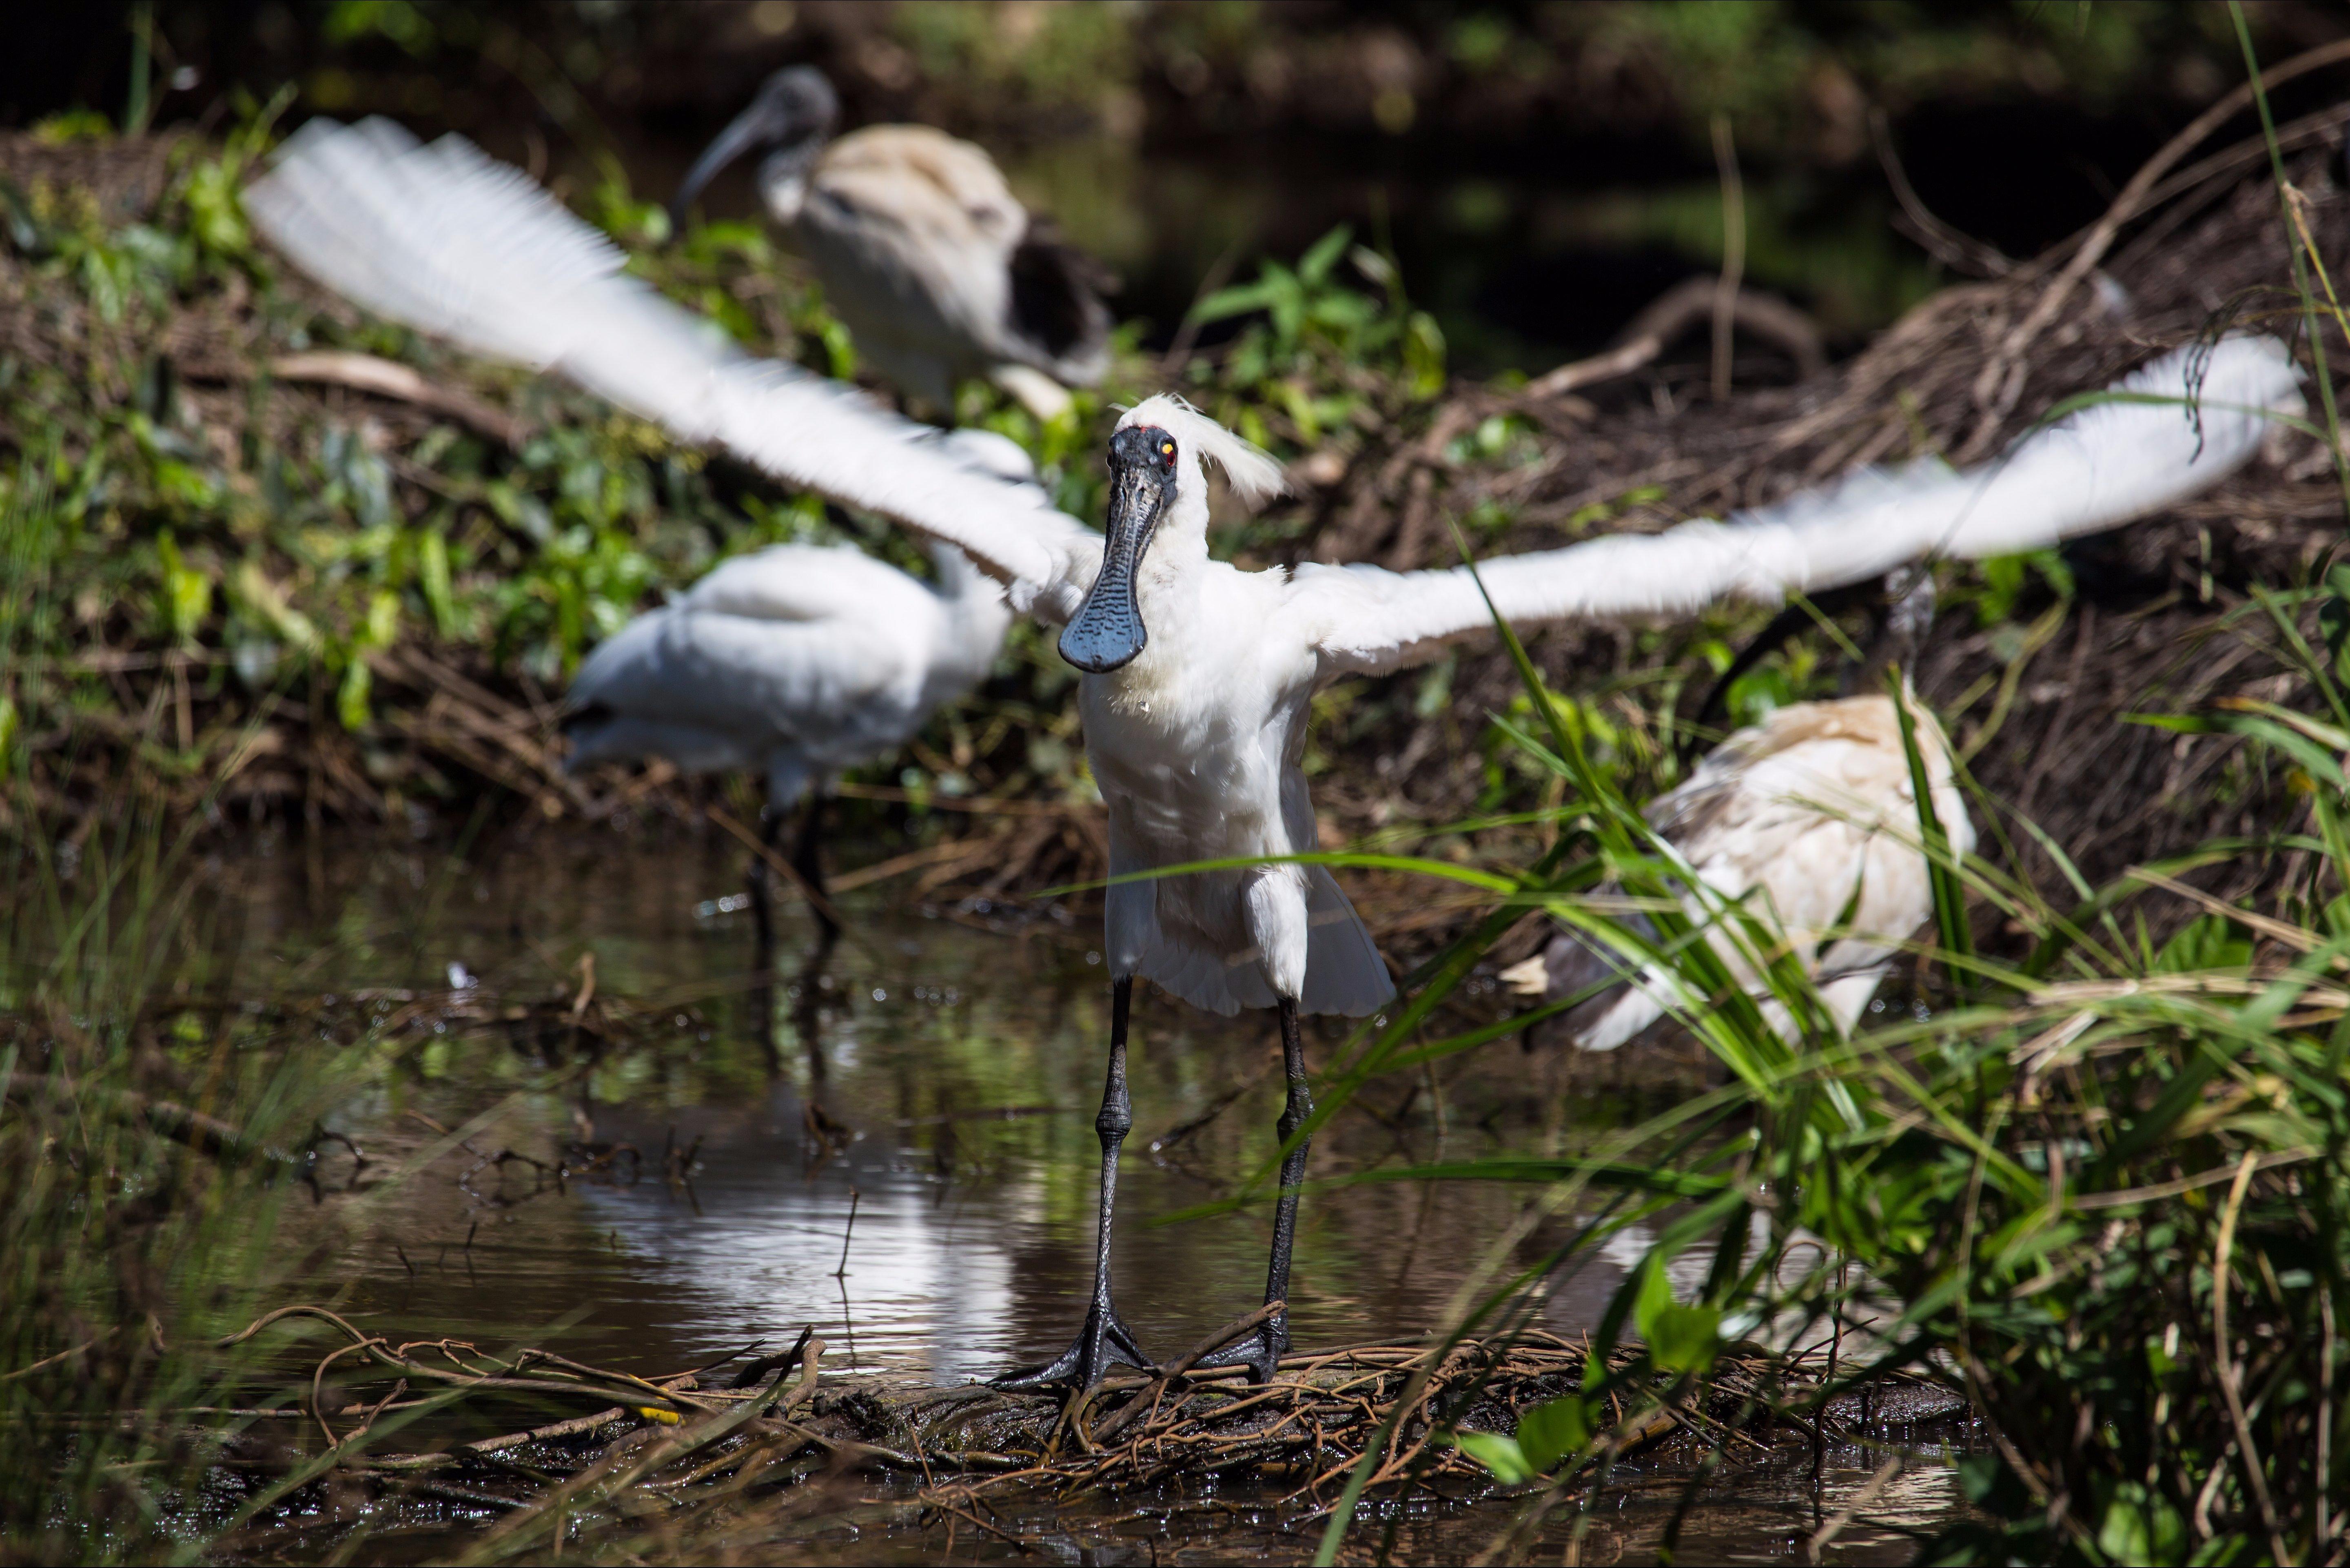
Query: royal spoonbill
[932, 263]
[799, 661]
[1198, 676]
[1810, 817]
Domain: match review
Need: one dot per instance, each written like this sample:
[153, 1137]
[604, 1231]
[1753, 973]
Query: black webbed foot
[1105, 1339]
[1259, 1351]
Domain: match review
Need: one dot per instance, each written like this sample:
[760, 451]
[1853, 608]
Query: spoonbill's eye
[1167, 450]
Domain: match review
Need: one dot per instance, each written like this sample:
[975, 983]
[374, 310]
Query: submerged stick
[842, 1273]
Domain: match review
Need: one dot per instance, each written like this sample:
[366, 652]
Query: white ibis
[1807, 819]
[1198, 675]
[934, 267]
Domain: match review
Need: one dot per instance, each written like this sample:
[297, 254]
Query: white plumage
[1199, 674]
[1800, 818]
[2100, 467]
[454, 244]
[798, 662]
[934, 267]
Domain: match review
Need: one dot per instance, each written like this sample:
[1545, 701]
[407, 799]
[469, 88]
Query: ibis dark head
[1107, 630]
[793, 115]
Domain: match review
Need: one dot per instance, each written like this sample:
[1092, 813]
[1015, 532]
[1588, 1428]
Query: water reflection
[937, 1073]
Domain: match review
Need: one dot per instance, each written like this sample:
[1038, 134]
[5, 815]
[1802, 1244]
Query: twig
[1238, 1328]
[1999, 384]
[1851, 1511]
[850, 1229]
[389, 378]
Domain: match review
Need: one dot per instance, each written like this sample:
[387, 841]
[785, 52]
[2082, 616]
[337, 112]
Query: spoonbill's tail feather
[2166, 432]
[452, 243]
[1344, 971]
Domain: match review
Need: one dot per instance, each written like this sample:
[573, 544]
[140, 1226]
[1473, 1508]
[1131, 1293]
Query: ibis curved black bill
[753, 128]
[793, 113]
[1107, 630]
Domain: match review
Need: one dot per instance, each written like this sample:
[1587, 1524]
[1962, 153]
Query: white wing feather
[454, 244]
[2102, 466]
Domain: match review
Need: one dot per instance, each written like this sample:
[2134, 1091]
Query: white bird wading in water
[1198, 675]
[1807, 815]
[934, 267]
[799, 661]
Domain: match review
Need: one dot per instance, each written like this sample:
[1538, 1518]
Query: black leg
[807, 1010]
[1261, 1351]
[1105, 1336]
[805, 862]
[762, 897]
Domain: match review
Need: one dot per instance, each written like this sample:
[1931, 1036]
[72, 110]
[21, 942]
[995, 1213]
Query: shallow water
[937, 1075]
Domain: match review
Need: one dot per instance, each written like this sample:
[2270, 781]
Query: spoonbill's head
[792, 116]
[1158, 489]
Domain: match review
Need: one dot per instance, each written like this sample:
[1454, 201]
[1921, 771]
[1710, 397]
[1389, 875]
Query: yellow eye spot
[1166, 449]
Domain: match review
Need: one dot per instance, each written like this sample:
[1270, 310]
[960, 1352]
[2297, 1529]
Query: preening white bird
[1802, 821]
[799, 661]
[935, 267]
[1198, 676]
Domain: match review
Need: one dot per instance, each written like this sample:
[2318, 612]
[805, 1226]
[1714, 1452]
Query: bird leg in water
[806, 861]
[1105, 1336]
[808, 1005]
[763, 898]
[1260, 1351]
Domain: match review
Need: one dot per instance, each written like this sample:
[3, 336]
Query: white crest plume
[1253, 473]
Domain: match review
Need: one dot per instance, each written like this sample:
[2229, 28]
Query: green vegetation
[271, 545]
[144, 1151]
[2101, 1187]
[2097, 1177]
[2099, 1183]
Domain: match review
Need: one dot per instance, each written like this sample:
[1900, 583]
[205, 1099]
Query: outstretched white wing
[2102, 466]
[452, 243]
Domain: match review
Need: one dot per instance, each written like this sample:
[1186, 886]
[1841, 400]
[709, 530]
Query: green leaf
[2211, 942]
[1238, 300]
[351, 700]
[1655, 1296]
[1551, 1431]
[433, 576]
[1683, 1338]
[1498, 1454]
[187, 593]
[2140, 1526]
[1941, 863]
[2333, 620]
[1316, 263]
